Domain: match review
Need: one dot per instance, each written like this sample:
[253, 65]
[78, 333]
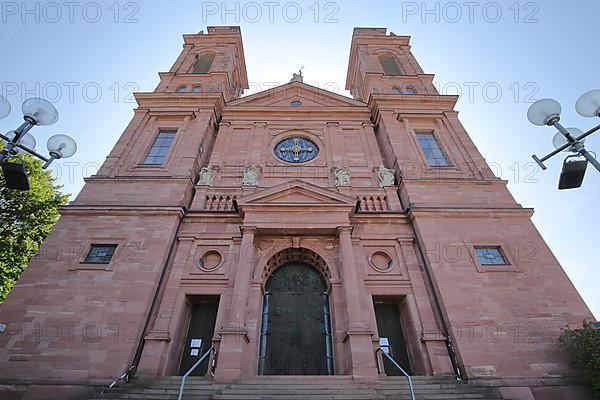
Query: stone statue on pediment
[386, 177]
[342, 176]
[297, 77]
[251, 175]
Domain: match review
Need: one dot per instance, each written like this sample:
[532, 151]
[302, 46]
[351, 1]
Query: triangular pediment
[297, 193]
[307, 95]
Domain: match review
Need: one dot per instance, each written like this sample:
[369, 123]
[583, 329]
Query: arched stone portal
[296, 327]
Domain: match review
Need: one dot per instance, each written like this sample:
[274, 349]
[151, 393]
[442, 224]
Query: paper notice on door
[195, 352]
[196, 343]
[384, 343]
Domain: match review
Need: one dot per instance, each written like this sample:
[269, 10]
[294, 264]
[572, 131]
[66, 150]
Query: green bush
[583, 344]
[26, 218]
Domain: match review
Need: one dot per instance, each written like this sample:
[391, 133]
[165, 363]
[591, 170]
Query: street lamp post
[546, 112]
[36, 112]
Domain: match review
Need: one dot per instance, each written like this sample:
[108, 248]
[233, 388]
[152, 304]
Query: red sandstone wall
[72, 321]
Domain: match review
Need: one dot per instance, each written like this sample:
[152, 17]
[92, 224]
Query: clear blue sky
[88, 57]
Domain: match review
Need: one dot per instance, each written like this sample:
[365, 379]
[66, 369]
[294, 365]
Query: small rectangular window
[160, 148]
[490, 255]
[431, 148]
[100, 254]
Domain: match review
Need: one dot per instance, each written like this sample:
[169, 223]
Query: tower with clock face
[295, 231]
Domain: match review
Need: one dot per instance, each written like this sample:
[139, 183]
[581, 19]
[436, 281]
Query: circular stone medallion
[210, 261]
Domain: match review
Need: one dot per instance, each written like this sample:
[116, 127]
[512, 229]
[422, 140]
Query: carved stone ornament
[342, 176]
[206, 176]
[386, 177]
[251, 175]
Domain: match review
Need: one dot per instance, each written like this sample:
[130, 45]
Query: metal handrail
[212, 349]
[410, 385]
[125, 377]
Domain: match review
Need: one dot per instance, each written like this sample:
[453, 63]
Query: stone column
[358, 335]
[234, 335]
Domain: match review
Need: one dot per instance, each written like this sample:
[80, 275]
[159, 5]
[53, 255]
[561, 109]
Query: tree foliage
[583, 344]
[26, 218]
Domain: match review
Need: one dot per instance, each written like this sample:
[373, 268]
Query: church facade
[295, 231]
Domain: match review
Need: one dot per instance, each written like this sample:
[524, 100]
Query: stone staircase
[433, 388]
[163, 388]
[300, 388]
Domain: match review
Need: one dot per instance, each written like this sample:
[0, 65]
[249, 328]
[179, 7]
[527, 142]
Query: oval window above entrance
[296, 150]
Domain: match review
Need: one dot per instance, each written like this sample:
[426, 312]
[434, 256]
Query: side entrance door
[389, 327]
[199, 337]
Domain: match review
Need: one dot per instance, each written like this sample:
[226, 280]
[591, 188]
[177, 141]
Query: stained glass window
[296, 150]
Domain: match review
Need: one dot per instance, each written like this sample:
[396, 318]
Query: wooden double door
[295, 331]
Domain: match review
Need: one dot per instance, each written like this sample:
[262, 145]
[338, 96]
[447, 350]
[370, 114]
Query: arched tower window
[388, 63]
[203, 63]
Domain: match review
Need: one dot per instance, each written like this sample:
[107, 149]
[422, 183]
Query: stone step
[155, 391]
[156, 394]
[430, 387]
[292, 391]
[300, 388]
[262, 378]
[140, 396]
[428, 391]
[341, 396]
[419, 380]
[174, 386]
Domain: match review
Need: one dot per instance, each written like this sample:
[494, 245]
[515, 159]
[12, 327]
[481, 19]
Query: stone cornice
[373, 217]
[136, 178]
[112, 210]
[168, 102]
[414, 104]
[451, 181]
[467, 212]
[359, 113]
[297, 87]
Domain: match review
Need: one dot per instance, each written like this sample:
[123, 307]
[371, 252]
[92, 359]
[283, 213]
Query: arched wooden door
[296, 333]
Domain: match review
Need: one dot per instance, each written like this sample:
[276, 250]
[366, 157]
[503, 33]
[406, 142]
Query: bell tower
[469, 230]
[383, 63]
[210, 62]
[174, 128]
